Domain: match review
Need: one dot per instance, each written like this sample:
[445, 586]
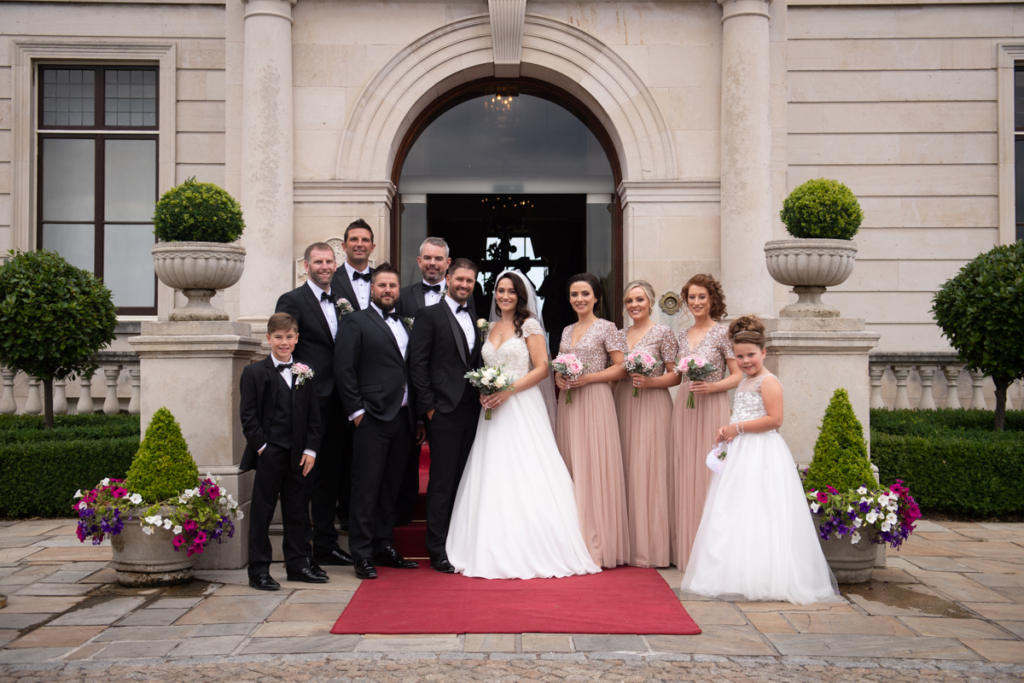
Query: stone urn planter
[810, 266]
[198, 269]
[850, 562]
[147, 560]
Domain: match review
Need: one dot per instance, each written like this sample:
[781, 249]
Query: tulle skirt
[693, 433]
[645, 429]
[588, 438]
[757, 540]
[515, 510]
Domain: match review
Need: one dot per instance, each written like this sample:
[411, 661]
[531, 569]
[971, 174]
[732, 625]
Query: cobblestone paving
[948, 607]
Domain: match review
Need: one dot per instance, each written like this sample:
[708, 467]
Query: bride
[515, 511]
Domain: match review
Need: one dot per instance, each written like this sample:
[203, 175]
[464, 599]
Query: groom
[443, 347]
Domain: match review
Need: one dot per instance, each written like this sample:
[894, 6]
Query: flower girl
[756, 539]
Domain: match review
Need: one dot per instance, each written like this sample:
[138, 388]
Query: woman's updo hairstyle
[648, 290]
[715, 294]
[747, 330]
[591, 280]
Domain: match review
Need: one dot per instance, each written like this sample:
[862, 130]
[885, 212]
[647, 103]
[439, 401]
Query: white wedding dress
[757, 540]
[515, 511]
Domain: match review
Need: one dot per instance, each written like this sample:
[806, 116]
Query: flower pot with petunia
[196, 224]
[822, 216]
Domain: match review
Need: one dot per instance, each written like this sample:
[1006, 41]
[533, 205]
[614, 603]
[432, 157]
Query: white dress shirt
[431, 298]
[398, 329]
[286, 375]
[360, 287]
[329, 309]
[465, 322]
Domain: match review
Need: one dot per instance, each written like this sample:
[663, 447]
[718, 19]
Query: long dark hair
[595, 287]
[522, 311]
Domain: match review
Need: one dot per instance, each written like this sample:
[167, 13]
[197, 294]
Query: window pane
[128, 264]
[413, 230]
[69, 184]
[129, 180]
[128, 94]
[76, 243]
[67, 93]
[1018, 99]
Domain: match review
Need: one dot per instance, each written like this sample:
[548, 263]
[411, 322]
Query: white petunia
[135, 499]
[78, 493]
[147, 530]
[815, 507]
[871, 517]
[892, 506]
[857, 521]
[83, 505]
[240, 514]
[886, 526]
[849, 508]
[168, 524]
[891, 518]
[105, 482]
[855, 539]
[183, 499]
[177, 530]
[862, 490]
[883, 500]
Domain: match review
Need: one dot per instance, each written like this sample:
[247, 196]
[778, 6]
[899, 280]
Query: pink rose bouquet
[571, 367]
[695, 369]
[640, 363]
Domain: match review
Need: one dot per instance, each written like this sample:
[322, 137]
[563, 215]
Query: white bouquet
[490, 380]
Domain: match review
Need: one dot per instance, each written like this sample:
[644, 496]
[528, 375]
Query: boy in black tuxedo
[373, 377]
[280, 416]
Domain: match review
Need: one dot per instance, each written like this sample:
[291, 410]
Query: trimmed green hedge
[40, 470]
[951, 460]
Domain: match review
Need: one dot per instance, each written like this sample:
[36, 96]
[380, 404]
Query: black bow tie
[324, 296]
[390, 314]
[360, 276]
[431, 288]
[284, 366]
[460, 309]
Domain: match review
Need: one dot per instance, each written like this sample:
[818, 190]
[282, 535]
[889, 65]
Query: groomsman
[313, 306]
[371, 370]
[353, 279]
[444, 345]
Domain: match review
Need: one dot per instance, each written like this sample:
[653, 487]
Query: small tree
[981, 312]
[840, 454]
[162, 467]
[53, 318]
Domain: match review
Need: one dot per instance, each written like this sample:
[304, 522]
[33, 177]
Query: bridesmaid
[645, 426]
[587, 431]
[693, 429]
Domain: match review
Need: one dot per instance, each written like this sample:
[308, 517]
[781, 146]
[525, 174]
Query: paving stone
[318, 611]
[7, 635]
[933, 527]
[939, 564]
[18, 541]
[590, 643]
[67, 577]
[957, 587]
[12, 556]
[108, 575]
[153, 617]
[72, 554]
[31, 655]
[546, 642]
[57, 636]
[769, 622]
[35, 604]
[998, 650]
[138, 649]
[86, 651]
[815, 645]
[207, 630]
[490, 642]
[292, 629]
[1007, 610]
[104, 613]
[175, 603]
[715, 639]
[339, 598]
[125, 633]
[409, 644]
[55, 589]
[30, 529]
[232, 610]
[203, 647]
[991, 549]
[714, 613]
[834, 607]
[1016, 627]
[847, 624]
[996, 581]
[21, 620]
[892, 575]
[942, 627]
[318, 644]
[940, 535]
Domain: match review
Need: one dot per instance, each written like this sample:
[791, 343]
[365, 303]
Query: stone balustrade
[926, 381]
[113, 367]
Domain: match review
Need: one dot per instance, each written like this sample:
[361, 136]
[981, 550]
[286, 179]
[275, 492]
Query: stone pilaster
[746, 155]
[267, 167]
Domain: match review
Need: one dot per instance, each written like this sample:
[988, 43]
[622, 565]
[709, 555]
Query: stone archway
[552, 51]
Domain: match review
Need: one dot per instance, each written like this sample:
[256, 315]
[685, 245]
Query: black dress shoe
[389, 557]
[441, 564]
[365, 570]
[317, 569]
[336, 557]
[306, 574]
[264, 582]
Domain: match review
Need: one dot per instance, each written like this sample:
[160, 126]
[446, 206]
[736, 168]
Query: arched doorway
[512, 173]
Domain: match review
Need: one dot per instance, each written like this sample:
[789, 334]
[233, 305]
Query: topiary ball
[197, 212]
[840, 454]
[822, 209]
[162, 467]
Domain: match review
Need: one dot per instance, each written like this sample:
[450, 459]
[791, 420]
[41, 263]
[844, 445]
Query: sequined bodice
[659, 342]
[594, 346]
[748, 403]
[513, 355]
[715, 348]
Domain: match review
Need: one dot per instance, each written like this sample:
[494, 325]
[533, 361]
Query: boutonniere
[343, 306]
[300, 373]
[482, 325]
[408, 323]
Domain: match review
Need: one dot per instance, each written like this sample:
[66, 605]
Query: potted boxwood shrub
[823, 216]
[161, 515]
[852, 511]
[195, 224]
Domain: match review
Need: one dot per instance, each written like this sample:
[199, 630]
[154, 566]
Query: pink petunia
[189, 525]
[119, 493]
[178, 540]
[822, 498]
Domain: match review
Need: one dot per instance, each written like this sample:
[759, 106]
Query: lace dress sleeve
[724, 343]
[614, 340]
[531, 327]
[668, 347]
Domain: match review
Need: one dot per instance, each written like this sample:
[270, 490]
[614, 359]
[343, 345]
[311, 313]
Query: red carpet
[411, 540]
[626, 600]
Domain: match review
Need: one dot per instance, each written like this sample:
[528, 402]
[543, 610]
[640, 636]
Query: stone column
[746, 154]
[267, 158]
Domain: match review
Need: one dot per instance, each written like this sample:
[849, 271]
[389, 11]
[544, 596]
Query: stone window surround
[27, 54]
[1008, 55]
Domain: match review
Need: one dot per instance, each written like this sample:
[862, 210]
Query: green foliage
[931, 422]
[29, 428]
[53, 316]
[38, 479]
[840, 454]
[823, 209]
[163, 467]
[197, 212]
[981, 312]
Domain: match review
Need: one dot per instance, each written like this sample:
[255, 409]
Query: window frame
[100, 86]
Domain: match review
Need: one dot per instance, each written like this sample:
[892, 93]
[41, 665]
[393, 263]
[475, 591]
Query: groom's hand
[358, 420]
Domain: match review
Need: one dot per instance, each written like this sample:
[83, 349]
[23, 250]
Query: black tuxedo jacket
[341, 285]
[315, 345]
[369, 368]
[259, 386]
[439, 359]
[412, 300]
